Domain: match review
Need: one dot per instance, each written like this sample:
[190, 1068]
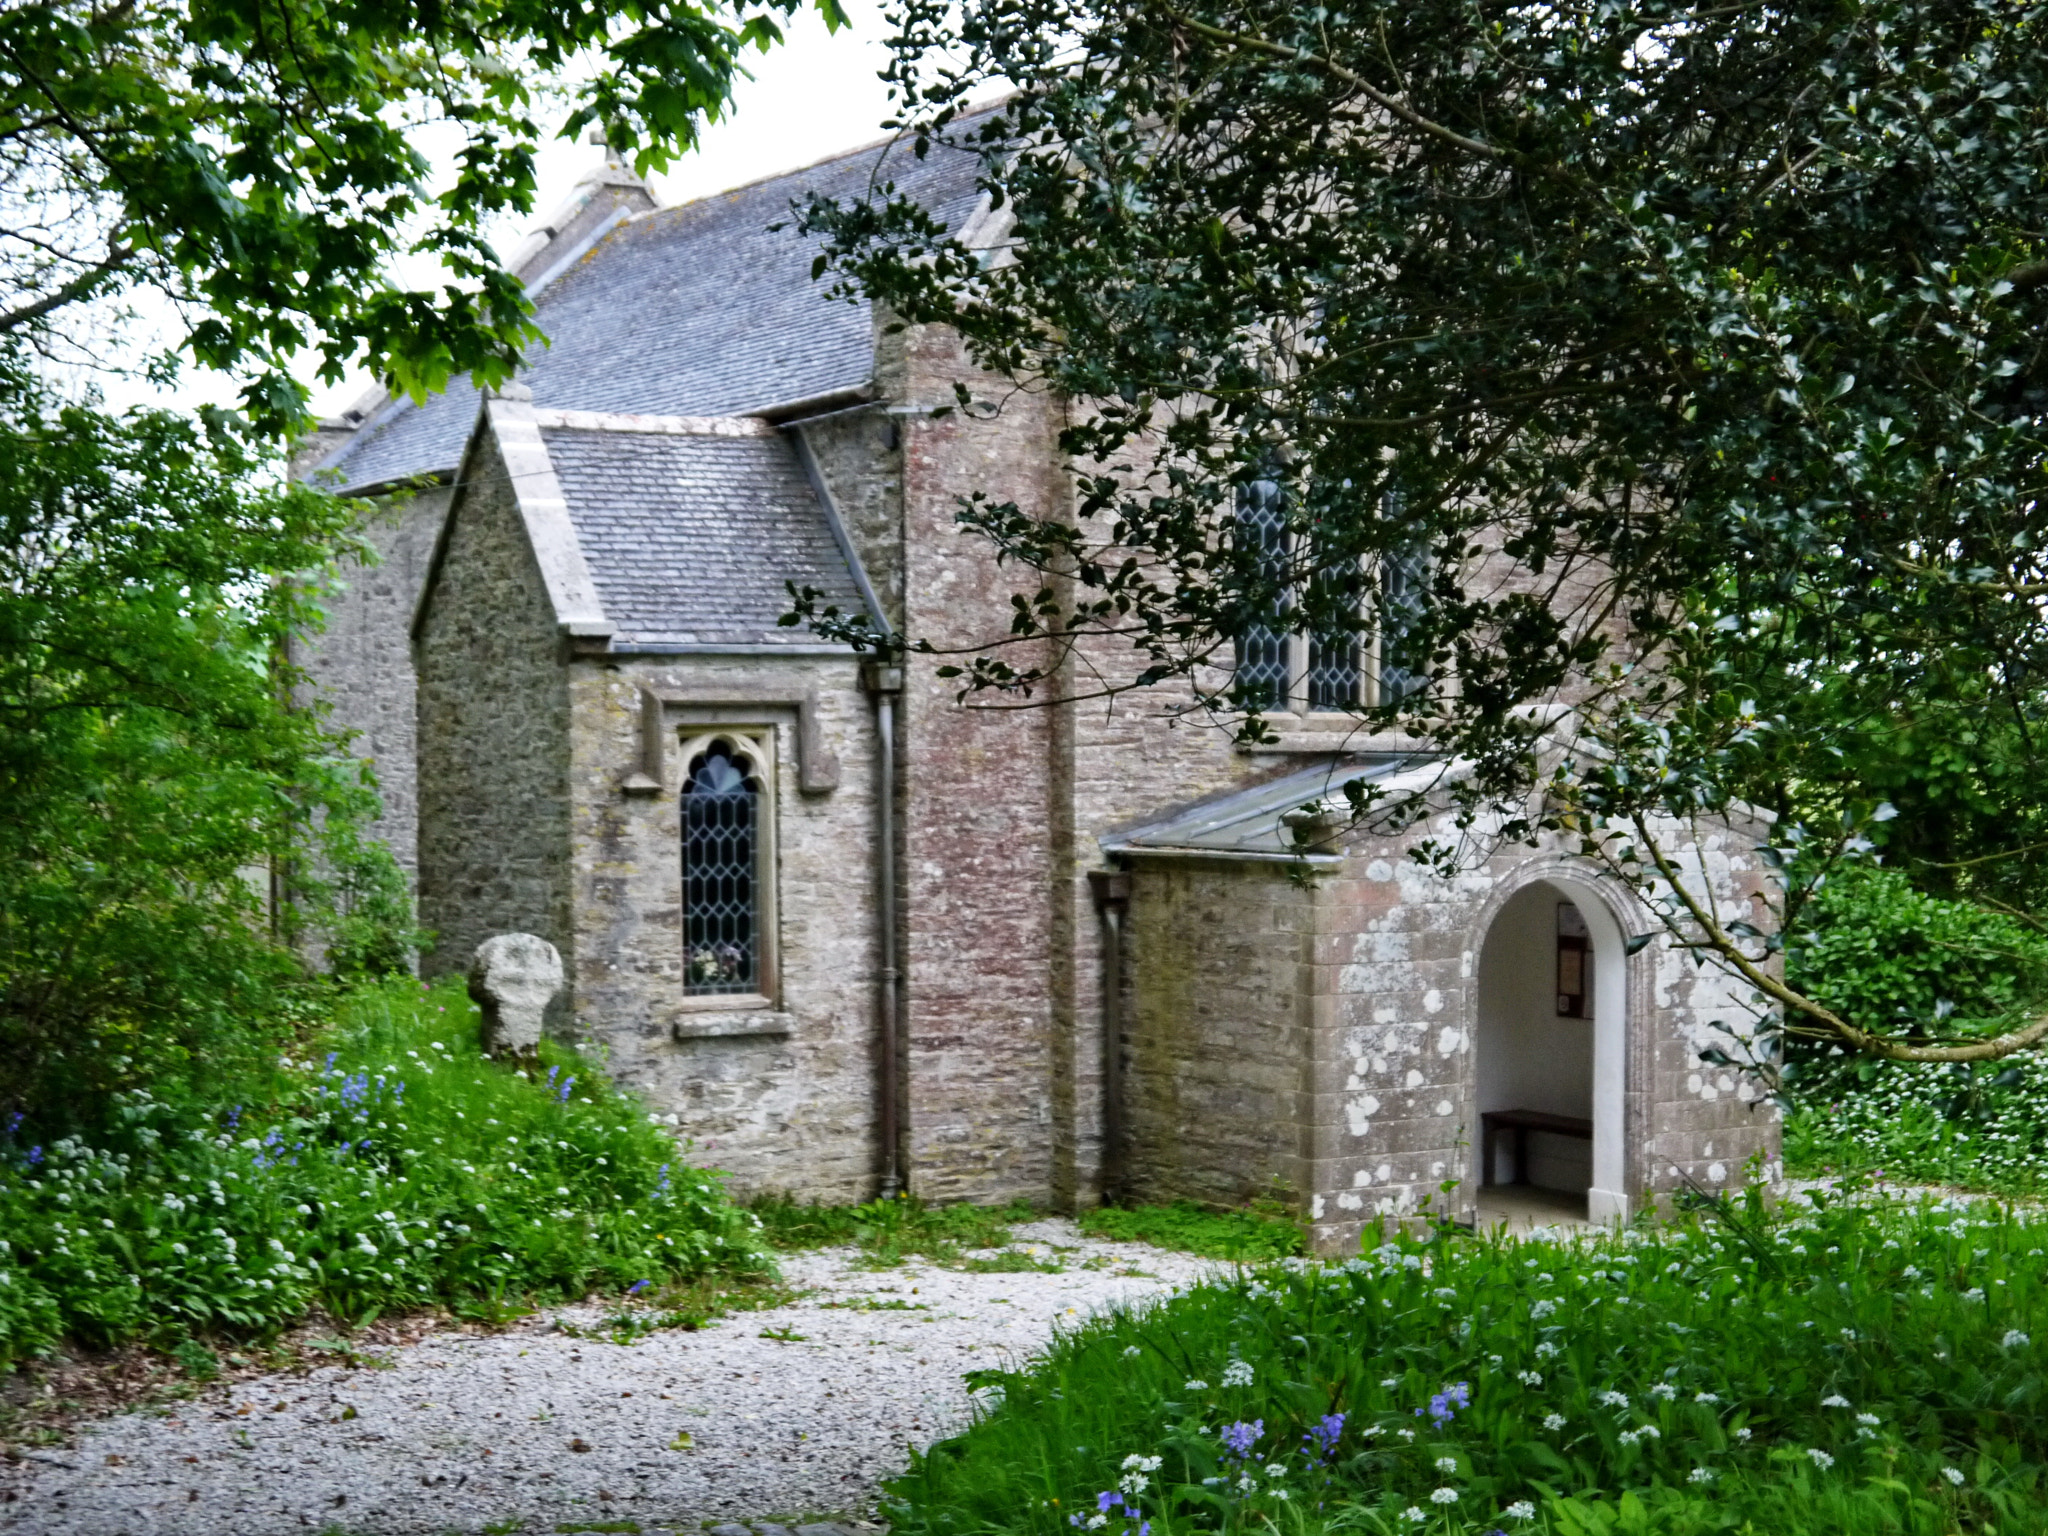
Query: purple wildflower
[661, 1184]
[637, 1287]
[552, 1072]
[1239, 1438]
[13, 1123]
[567, 1083]
[235, 1118]
[1322, 1436]
[35, 1155]
[1105, 1502]
[1443, 1407]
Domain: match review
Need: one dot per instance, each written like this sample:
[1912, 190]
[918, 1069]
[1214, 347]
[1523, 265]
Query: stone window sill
[710, 1025]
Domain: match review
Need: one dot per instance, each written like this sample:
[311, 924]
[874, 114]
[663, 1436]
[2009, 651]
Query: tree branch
[78, 288]
[1723, 944]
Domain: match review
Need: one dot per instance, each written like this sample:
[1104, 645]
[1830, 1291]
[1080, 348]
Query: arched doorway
[1550, 1059]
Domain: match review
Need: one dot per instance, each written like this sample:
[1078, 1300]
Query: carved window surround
[817, 770]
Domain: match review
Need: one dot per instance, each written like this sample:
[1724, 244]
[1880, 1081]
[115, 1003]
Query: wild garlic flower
[1821, 1459]
[1612, 1399]
[1553, 1421]
[1665, 1390]
[1447, 1463]
[1529, 1378]
[1834, 1400]
[1413, 1515]
[1699, 1475]
[1706, 1397]
[2014, 1339]
[1444, 1496]
[1954, 1475]
[1237, 1374]
[1521, 1509]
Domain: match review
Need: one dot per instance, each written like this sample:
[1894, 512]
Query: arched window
[722, 841]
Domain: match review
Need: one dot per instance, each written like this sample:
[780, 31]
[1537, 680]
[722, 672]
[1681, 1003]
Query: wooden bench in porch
[1521, 1122]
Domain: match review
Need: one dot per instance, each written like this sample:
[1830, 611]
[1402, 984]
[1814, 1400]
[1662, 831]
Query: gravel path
[535, 1430]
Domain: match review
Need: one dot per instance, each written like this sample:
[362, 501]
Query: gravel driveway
[535, 1430]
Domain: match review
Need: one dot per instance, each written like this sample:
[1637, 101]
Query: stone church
[857, 937]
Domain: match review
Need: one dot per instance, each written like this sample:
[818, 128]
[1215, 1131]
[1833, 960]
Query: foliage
[1851, 1369]
[153, 771]
[1680, 364]
[400, 1170]
[887, 1230]
[1254, 1236]
[260, 164]
[1875, 947]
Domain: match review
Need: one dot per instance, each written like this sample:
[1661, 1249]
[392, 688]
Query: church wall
[978, 904]
[856, 454]
[1220, 1035]
[784, 1098]
[493, 740]
[360, 664]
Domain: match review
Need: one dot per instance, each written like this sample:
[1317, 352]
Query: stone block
[513, 979]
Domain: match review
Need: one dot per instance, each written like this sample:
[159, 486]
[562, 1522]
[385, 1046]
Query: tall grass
[395, 1167]
[1849, 1370]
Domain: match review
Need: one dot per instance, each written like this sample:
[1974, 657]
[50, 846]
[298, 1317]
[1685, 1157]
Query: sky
[815, 95]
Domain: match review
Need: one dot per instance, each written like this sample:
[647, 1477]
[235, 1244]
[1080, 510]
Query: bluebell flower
[1443, 1407]
[567, 1084]
[637, 1287]
[1239, 1438]
[1322, 1436]
[551, 1075]
[35, 1156]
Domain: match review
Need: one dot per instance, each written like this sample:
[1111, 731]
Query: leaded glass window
[721, 804]
[1262, 649]
[1403, 578]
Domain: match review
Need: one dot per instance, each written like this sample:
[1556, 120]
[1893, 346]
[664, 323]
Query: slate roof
[696, 310]
[1246, 823]
[690, 538]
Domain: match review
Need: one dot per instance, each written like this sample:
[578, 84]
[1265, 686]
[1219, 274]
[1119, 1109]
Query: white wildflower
[1542, 1309]
[1237, 1374]
[1553, 1421]
[1868, 1418]
[1131, 1351]
[1545, 1350]
[1413, 1515]
[1744, 1433]
[1706, 1397]
[1521, 1509]
[1954, 1475]
[1665, 1390]
[1699, 1475]
[1136, 1463]
[1447, 1463]
[1834, 1400]
[1821, 1459]
[2014, 1339]
[1197, 1386]
[1613, 1399]
[1444, 1496]
[1529, 1378]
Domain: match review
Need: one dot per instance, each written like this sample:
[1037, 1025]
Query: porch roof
[1249, 823]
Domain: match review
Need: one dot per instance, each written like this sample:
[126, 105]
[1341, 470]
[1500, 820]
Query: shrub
[1845, 1370]
[400, 1169]
[1875, 948]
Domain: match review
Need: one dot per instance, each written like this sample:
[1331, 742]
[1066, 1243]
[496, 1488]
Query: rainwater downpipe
[1112, 890]
[883, 683]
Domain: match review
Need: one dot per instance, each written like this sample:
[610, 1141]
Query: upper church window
[726, 873]
[1287, 665]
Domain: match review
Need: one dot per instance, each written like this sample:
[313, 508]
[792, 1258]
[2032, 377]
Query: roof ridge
[662, 426]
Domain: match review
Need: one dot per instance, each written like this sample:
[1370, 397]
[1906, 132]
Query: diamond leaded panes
[721, 888]
[1262, 648]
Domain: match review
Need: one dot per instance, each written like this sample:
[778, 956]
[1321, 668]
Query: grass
[1850, 1370]
[1261, 1233]
[394, 1169]
[888, 1231]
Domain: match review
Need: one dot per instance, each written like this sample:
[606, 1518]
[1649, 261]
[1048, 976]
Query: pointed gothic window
[722, 800]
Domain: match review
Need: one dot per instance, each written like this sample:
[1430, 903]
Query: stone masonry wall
[1217, 1086]
[360, 664]
[856, 454]
[978, 924]
[493, 737]
[783, 1098]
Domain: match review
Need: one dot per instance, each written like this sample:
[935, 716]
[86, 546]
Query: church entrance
[1549, 1057]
